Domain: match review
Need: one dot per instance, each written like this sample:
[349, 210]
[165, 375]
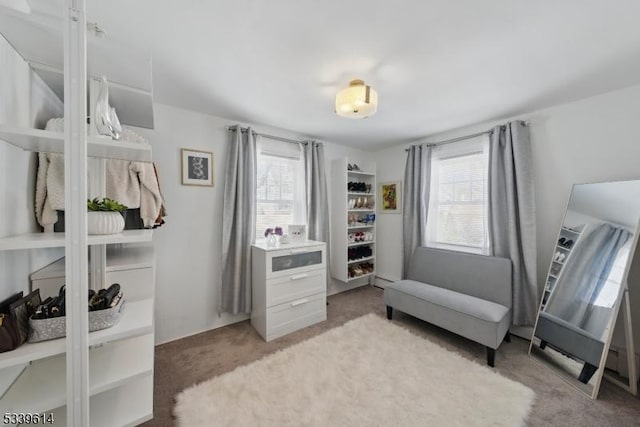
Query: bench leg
[543, 344]
[389, 312]
[507, 337]
[491, 356]
[587, 372]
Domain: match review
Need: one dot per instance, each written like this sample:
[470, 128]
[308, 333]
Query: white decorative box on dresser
[289, 287]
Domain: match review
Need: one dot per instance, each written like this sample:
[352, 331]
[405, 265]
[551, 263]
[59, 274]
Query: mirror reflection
[586, 276]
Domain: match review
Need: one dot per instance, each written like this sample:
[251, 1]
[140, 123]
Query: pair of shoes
[360, 236]
[565, 243]
[359, 252]
[353, 167]
[559, 257]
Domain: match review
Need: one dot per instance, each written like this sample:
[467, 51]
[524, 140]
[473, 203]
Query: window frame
[286, 151]
[473, 146]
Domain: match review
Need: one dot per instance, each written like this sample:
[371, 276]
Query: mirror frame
[623, 292]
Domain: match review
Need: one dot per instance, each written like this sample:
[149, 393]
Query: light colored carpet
[368, 372]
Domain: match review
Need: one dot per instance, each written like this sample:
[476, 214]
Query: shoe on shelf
[349, 167]
[355, 167]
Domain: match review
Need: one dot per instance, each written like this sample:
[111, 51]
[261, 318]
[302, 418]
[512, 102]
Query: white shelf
[568, 230]
[361, 276]
[42, 386]
[118, 258]
[56, 240]
[563, 248]
[361, 173]
[355, 261]
[361, 210]
[128, 405]
[353, 227]
[53, 142]
[137, 319]
[361, 243]
[359, 193]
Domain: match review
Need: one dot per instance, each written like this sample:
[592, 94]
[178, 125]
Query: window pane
[462, 191]
[446, 193]
[461, 225]
[477, 191]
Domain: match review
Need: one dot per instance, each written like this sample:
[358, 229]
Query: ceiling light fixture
[358, 101]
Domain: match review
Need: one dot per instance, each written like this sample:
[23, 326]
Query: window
[609, 291]
[458, 214]
[280, 192]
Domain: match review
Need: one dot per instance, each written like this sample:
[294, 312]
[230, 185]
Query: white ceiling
[436, 64]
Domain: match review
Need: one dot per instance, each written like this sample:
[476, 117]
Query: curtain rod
[277, 138]
[462, 138]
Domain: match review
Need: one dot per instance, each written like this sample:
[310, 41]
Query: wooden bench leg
[389, 312]
[491, 356]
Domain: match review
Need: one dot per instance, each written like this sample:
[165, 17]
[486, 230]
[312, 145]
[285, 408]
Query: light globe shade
[358, 101]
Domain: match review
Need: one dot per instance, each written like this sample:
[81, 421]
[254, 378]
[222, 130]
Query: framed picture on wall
[197, 167]
[390, 196]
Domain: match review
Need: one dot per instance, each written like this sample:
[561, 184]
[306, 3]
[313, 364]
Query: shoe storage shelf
[353, 229]
[568, 240]
[102, 378]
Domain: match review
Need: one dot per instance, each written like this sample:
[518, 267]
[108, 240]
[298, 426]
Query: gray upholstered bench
[467, 294]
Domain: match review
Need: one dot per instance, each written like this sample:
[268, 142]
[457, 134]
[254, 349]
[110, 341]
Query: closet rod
[462, 138]
[264, 135]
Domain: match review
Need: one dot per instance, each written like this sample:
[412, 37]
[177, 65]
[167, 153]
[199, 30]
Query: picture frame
[197, 167]
[390, 197]
[297, 233]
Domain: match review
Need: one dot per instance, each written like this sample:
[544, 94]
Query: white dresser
[289, 287]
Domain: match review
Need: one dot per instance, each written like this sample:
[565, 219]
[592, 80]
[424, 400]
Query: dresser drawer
[294, 261]
[291, 316]
[295, 286]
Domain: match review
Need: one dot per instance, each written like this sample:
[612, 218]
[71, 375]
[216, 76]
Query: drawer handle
[299, 302]
[299, 276]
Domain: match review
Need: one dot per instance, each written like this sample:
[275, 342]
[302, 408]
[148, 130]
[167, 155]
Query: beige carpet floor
[183, 363]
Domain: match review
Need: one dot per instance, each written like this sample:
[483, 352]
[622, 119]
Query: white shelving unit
[102, 378]
[345, 220]
[557, 267]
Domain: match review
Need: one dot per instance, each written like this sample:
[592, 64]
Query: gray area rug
[368, 372]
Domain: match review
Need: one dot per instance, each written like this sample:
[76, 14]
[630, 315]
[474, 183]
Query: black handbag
[22, 310]
[9, 335]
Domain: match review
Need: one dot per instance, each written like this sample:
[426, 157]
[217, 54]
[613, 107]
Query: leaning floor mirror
[587, 286]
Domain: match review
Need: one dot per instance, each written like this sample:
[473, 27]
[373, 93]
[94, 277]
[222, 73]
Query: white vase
[104, 222]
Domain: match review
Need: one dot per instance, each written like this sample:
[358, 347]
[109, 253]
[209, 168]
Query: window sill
[458, 248]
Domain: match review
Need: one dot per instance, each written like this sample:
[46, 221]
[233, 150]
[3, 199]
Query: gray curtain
[238, 221]
[512, 220]
[585, 274]
[417, 183]
[316, 190]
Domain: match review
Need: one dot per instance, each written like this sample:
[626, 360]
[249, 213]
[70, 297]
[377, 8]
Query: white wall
[24, 101]
[595, 139]
[188, 246]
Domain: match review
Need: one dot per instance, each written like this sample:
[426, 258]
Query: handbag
[9, 335]
[22, 310]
